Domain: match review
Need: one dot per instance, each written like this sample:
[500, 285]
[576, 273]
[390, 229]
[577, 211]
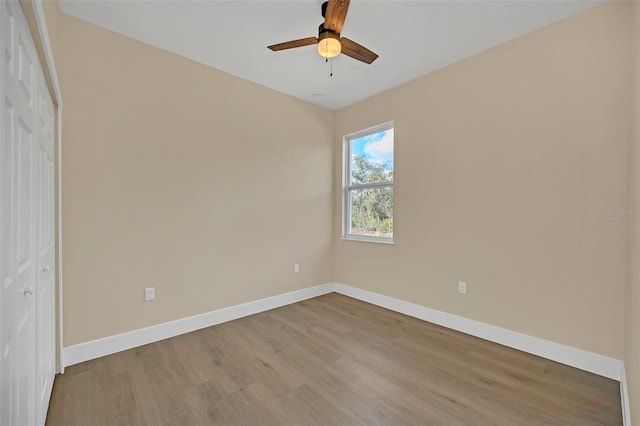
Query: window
[368, 185]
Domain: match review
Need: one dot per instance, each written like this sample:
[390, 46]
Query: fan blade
[356, 51]
[294, 43]
[336, 14]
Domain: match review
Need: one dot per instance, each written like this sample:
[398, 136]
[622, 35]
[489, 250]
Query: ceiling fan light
[329, 45]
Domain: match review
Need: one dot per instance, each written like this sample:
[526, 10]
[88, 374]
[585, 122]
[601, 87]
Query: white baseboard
[589, 361]
[624, 397]
[584, 360]
[120, 342]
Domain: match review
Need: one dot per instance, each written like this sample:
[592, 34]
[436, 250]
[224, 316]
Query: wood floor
[331, 360]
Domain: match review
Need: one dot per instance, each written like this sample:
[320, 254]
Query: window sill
[368, 239]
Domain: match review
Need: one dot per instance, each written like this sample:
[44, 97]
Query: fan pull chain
[331, 65]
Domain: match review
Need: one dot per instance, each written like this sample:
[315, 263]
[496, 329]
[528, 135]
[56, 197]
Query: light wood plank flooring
[331, 360]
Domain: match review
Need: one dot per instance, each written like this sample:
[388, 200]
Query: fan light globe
[329, 46]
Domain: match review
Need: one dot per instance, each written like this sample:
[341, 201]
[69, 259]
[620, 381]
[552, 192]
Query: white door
[26, 174]
[45, 275]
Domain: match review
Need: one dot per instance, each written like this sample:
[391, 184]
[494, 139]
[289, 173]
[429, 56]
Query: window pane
[372, 212]
[372, 158]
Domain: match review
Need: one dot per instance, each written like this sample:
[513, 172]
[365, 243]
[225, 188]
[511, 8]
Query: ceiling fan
[329, 42]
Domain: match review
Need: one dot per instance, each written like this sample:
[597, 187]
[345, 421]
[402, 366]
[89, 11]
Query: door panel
[45, 276]
[27, 247]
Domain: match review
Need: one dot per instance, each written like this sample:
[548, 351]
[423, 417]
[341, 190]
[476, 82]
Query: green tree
[366, 171]
[371, 209]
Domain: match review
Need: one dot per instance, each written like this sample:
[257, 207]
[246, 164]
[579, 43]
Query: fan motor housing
[326, 32]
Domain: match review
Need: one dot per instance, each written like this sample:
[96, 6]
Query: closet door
[45, 274]
[19, 153]
[27, 323]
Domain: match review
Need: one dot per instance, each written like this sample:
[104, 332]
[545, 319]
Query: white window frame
[347, 186]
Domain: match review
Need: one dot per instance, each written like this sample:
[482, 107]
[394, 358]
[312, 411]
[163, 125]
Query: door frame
[45, 51]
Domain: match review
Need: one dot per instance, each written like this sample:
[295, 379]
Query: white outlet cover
[462, 287]
[149, 294]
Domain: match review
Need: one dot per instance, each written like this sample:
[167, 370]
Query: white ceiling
[412, 38]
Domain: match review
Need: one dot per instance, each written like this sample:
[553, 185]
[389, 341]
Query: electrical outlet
[296, 268]
[462, 287]
[149, 294]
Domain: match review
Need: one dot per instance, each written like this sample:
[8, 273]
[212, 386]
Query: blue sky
[376, 147]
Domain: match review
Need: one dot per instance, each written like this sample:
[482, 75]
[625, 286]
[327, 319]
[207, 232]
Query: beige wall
[209, 187]
[185, 178]
[505, 165]
[632, 335]
[51, 10]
